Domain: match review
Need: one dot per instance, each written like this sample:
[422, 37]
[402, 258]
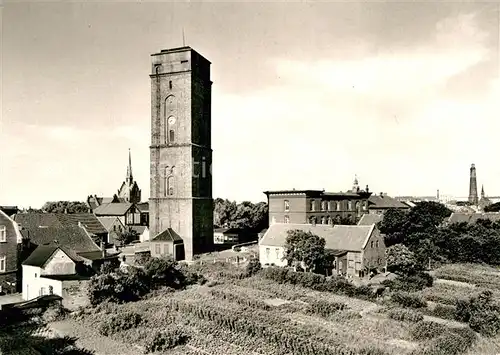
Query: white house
[226, 236]
[40, 268]
[357, 249]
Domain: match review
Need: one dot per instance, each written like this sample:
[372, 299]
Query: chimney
[367, 189]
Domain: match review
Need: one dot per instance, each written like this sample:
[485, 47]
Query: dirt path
[89, 339]
[449, 323]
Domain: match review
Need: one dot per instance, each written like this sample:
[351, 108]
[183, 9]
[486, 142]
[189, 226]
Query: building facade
[316, 206]
[181, 154]
[10, 238]
[357, 249]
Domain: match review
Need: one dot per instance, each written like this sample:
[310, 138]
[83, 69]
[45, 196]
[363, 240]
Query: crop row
[243, 301]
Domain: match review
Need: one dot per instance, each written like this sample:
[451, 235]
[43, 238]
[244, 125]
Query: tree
[401, 260]
[127, 236]
[164, 272]
[495, 207]
[65, 207]
[245, 215]
[392, 226]
[305, 249]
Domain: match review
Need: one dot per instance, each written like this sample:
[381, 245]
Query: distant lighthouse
[473, 198]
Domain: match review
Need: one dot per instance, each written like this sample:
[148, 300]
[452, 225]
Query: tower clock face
[171, 120]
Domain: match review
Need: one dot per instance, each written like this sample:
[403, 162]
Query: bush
[481, 313]
[424, 330]
[119, 322]
[444, 311]
[451, 342]
[54, 313]
[167, 339]
[121, 286]
[405, 315]
[253, 267]
[408, 300]
[325, 309]
[410, 283]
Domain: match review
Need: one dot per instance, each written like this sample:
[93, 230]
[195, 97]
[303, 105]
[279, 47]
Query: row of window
[166, 248]
[3, 234]
[276, 250]
[330, 206]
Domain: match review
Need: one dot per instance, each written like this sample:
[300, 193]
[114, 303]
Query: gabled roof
[113, 209]
[473, 217]
[97, 255]
[108, 222]
[43, 253]
[70, 238]
[88, 220]
[370, 218]
[168, 235]
[338, 237]
[143, 206]
[377, 201]
[34, 220]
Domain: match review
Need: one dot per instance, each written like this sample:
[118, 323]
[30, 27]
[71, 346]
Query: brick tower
[473, 199]
[181, 154]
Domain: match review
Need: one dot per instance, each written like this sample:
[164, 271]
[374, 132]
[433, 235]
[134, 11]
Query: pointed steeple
[355, 186]
[482, 191]
[129, 178]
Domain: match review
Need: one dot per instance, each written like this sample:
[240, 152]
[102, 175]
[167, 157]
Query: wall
[59, 264]
[296, 212]
[144, 236]
[32, 283]
[166, 248]
[354, 263]
[9, 250]
[374, 257]
[273, 256]
[74, 294]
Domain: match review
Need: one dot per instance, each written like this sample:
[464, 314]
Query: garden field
[258, 315]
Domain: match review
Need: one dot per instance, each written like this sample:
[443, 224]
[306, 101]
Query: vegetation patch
[410, 300]
[405, 315]
[119, 322]
[424, 330]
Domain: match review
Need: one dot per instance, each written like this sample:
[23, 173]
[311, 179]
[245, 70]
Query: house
[357, 249]
[114, 226]
[226, 236]
[54, 269]
[378, 204]
[10, 238]
[167, 243]
[369, 219]
[316, 206]
[127, 212]
[143, 208]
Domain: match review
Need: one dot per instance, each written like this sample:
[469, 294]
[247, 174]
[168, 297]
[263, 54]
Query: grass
[475, 274]
[248, 316]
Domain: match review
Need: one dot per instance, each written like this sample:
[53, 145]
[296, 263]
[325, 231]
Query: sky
[305, 95]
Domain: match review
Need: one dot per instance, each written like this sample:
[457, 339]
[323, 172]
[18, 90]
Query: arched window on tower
[171, 136]
[170, 185]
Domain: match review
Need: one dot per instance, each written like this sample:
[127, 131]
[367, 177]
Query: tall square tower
[181, 153]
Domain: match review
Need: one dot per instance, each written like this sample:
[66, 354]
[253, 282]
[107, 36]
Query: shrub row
[481, 312]
[324, 308]
[410, 283]
[424, 330]
[244, 301]
[167, 338]
[408, 300]
[444, 311]
[318, 282]
[405, 315]
[450, 342]
[119, 322]
[288, 342]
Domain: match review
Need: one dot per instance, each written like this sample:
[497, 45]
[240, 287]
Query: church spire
[482, 191]
[129, 178]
